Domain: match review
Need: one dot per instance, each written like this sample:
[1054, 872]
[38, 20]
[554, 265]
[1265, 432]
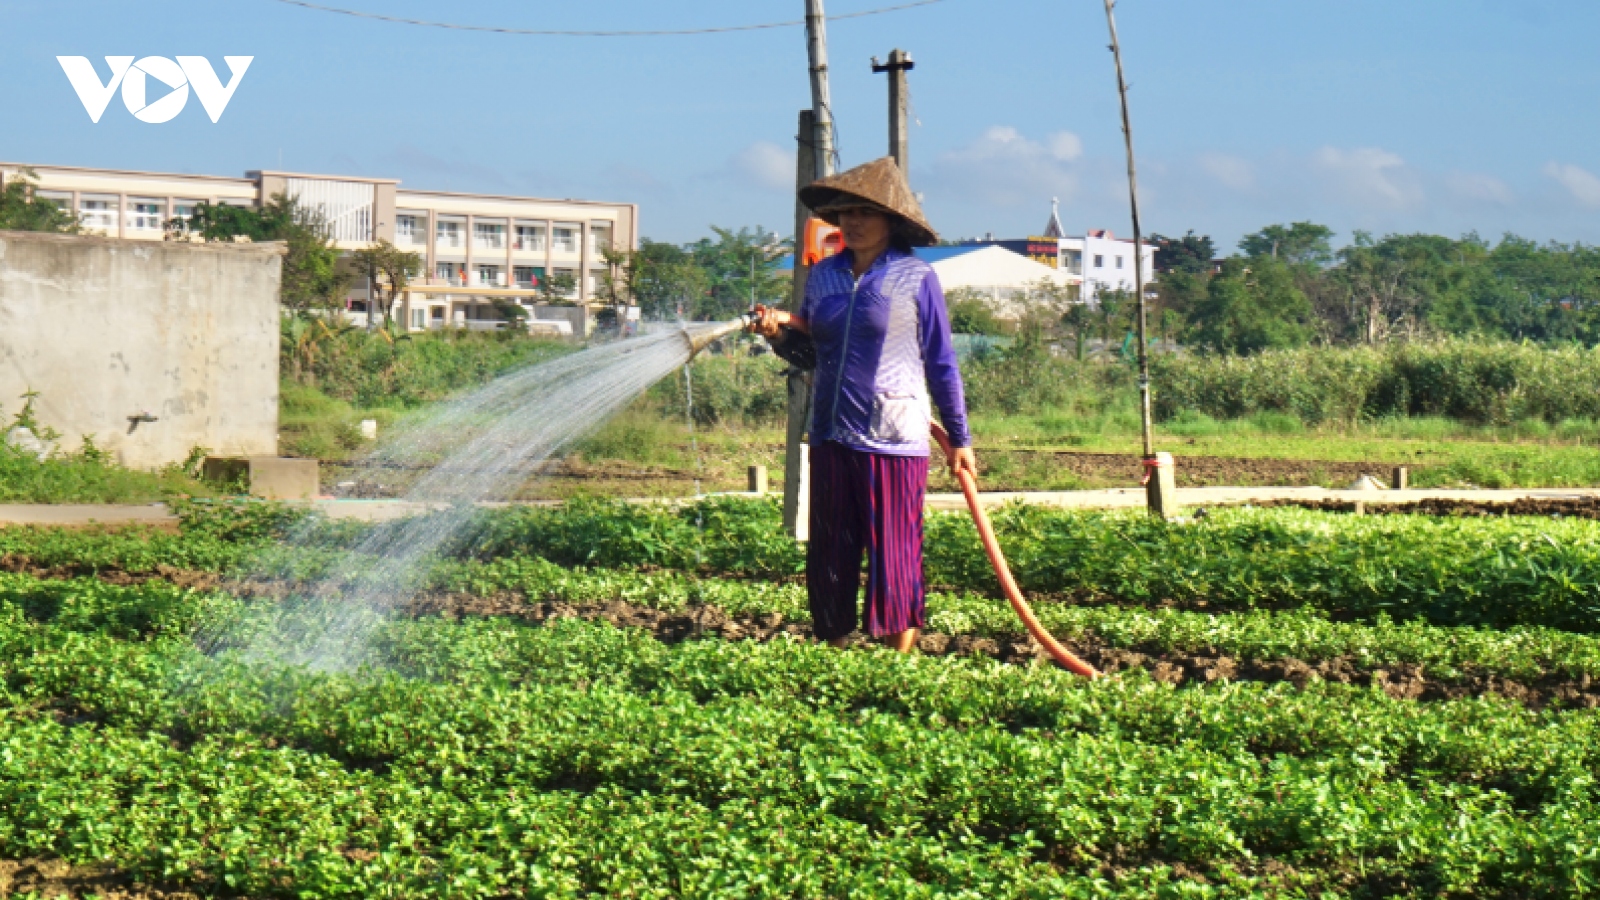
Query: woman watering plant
[874, 327]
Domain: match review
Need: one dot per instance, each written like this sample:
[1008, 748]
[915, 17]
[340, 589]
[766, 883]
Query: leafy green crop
[1497, 573]
[489, 759]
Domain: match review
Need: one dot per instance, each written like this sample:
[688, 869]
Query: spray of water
[475, 449]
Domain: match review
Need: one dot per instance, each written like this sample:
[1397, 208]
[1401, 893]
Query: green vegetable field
[610, 700]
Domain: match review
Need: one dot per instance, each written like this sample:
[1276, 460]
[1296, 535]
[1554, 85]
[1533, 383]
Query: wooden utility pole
[899, 102]
[1158, 472]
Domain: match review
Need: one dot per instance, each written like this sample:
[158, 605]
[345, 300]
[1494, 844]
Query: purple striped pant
[872, 502]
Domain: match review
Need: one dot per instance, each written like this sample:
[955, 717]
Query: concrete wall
[106, 329]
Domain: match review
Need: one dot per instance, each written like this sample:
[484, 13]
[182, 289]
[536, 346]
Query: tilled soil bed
[56, 878]
[1192, 471]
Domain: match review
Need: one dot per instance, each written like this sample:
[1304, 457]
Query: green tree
[557, 290]
[970, 312]
[1190, 254]
[741, 268]
[664, 279]
[312, 278]
[1299, 243]
[21, 209]
[391, 270]
[1251, 305]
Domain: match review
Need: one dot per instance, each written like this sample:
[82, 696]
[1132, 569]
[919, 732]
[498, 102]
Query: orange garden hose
[969, 487]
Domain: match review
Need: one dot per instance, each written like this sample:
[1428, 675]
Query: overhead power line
[552, 33]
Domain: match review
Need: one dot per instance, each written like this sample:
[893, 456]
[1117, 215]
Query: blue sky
[1426, 115]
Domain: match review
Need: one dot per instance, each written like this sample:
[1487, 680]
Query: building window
[1119, 262]
[489, 276]
[530, 237]
[145, 215]
[419, 318]
[405, 229]
[488, 236]
[448, 272]
[565, 240]
[449, 234]
[99, 215]
[528, 276]
[61, 199]
[1099, 261]
[181, 211]
[599, 238]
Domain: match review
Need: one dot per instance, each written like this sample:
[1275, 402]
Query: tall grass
[377, 369]
[1442, 390]
[88, 478]
[1477, 382]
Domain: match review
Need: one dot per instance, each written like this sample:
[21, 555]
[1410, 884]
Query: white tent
[1004, 277]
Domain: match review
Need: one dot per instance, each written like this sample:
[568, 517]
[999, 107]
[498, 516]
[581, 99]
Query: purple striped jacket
[883, 350]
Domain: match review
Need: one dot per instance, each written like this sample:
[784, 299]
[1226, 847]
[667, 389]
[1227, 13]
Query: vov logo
[134, 78]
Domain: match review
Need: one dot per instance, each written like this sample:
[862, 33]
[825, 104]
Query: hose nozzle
[704, 339]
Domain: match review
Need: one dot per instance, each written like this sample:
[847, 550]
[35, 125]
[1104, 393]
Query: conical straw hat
[879, 183]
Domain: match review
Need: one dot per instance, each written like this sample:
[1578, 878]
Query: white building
[475, 248]
[1103, 261]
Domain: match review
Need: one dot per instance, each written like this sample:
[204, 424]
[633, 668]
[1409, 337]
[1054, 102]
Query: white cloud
[1005, 168]
[1581, 183]
[1231, 171]
[765, 165]
[1065, 146]
[1368, 176]
[1480, 187]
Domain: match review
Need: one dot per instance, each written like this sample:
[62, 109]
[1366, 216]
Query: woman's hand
[963, 460]
[769, 322]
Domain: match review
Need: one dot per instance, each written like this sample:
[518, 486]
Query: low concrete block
[225, 469]
[277, 478]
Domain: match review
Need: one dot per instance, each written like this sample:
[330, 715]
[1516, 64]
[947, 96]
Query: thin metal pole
[1145, 424]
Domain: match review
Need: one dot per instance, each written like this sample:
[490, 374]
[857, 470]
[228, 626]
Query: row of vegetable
[484, 758]
[1490, 572]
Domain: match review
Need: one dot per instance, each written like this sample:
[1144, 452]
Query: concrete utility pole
[899, 102]
[1160, 481]
[821, 106]
[814, 160]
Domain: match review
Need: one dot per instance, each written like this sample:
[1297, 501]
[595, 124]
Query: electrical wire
[551, 33]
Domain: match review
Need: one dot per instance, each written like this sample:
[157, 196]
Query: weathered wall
[106, 329]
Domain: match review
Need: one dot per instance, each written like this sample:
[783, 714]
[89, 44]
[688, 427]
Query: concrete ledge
[77, 514]
[1130, 497]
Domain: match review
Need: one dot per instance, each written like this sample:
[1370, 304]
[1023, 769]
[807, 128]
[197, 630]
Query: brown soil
[187, 578]
[1553, 507]
[1000, 470]
[1405, 681]
[54, 878]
